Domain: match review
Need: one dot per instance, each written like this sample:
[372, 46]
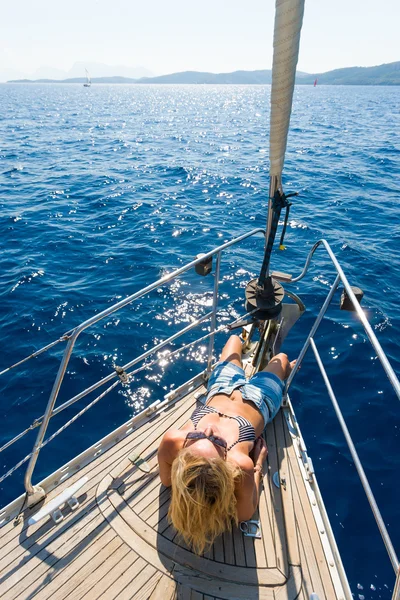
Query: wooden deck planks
[264, 508]
[229, 551]
[308, 533]
[110, 584]
[307, 584]
[159, 506]
[96, 559]
[276, 511]
[131, 581]
[307, 529]
[169, 532]
[27, 546]
[156, 545]
[143, 588]
[138, 583]
[165, 589]
[148, 496]
[180, 542]
[218, 548]
[259, 543]
[36, 568]
[98, 571]
[159, 517]
[85, 558]
[45, 533]
[249, 552]
[283, 444]
[21, 537]
[196, 595]
[238, 547]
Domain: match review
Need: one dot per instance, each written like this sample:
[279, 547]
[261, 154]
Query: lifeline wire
[67, 424]
[37, 422]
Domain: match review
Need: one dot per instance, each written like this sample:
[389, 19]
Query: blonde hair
[203, 502]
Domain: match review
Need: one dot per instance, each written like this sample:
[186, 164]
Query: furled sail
[288, 22]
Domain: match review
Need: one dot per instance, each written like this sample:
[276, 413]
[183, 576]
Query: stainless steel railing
[360, 313]
[73, 336]
[388, 370]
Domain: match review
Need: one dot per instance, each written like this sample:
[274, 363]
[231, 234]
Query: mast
[265, 294]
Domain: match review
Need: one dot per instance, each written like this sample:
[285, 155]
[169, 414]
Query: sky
[167, 36]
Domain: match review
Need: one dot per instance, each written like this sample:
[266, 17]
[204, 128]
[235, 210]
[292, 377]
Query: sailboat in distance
[88, 82]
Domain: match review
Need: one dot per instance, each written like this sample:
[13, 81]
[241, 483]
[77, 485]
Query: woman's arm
[248, 490]
[167, 452]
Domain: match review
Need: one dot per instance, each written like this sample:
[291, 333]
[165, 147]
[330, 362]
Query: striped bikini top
[247, 432]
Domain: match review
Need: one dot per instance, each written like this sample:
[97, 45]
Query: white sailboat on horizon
[88, 80]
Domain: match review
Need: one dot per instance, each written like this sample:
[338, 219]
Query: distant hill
[77, 71]
[388, 74]
[260, 77]
[254, 77]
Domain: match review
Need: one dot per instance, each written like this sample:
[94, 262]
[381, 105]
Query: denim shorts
[264, 389]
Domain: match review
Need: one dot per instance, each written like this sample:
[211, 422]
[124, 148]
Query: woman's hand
[291, 367]
[260, 453]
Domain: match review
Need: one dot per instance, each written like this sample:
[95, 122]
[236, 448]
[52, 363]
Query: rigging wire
[60, 430]
[63, 338]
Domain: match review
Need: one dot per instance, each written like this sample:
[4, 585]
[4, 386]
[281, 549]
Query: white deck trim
[326, 535]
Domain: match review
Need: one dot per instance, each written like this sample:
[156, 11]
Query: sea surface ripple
[104, 190]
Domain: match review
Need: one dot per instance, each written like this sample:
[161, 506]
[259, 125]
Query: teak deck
[119, 544]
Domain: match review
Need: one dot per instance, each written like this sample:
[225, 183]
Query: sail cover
[288, 22]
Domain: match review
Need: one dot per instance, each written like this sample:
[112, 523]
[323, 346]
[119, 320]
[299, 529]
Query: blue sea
[105, 190]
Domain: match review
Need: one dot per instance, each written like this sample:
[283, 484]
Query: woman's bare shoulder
[243, 461]
[171, 436]
[171, 442]
[168, 450]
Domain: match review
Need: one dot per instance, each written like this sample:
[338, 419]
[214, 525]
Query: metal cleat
[53, 506]
[73, 503]
[57, 516]
[251, 528]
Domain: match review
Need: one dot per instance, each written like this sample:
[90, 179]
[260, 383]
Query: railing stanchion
[357, 462]
[312, 332]
[48, 413]
[358, 309]
[31, 491]
[214, 313]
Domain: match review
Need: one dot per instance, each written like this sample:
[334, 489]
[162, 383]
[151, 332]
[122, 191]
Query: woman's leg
[280, 366]
[232, 351]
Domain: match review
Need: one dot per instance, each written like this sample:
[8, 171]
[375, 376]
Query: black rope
[279, 201]
[281, 246]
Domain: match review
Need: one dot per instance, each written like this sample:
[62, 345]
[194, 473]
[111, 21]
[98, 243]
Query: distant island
[388, 74]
